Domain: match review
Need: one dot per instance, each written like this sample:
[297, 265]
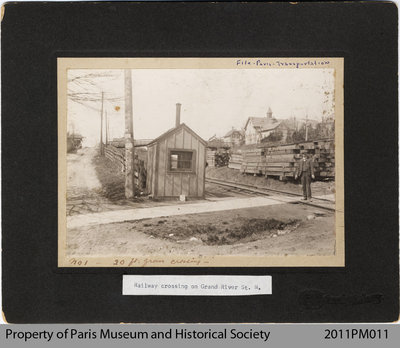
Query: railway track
[316, 202]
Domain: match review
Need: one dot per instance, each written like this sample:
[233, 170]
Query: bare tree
[87, 89]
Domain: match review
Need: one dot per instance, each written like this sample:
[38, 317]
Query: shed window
[181, 161]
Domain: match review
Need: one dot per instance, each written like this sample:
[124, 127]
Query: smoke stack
[178, 114]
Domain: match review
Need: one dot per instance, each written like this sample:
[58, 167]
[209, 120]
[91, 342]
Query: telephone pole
[106, 128]
[129, 141]
[101, 125]
[306, 127]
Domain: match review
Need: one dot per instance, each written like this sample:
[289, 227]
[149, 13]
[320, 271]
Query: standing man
[305, 171]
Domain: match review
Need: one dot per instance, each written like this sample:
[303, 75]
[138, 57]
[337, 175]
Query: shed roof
[176, 129]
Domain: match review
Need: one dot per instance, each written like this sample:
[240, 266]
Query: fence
[117, 156]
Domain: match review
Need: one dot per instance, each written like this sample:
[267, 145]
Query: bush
[273, 137]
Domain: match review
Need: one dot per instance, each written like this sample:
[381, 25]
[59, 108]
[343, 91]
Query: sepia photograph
[200, 162]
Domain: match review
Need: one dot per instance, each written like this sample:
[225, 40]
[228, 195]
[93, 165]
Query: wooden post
[129, 149]
[101, 125]
[106, 128]
[306, 127]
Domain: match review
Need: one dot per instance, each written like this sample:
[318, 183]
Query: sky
[213, 100]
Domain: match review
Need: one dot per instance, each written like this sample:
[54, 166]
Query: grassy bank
[111, 178]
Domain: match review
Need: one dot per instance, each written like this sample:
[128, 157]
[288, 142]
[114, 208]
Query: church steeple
[269, 114]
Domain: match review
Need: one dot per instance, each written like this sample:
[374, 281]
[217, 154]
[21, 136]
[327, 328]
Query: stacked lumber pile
[283, 160]
[253, 161]
[280, 160]
[235, 160]
[324, 164]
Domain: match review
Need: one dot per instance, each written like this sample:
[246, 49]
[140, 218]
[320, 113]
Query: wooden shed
[176, 163]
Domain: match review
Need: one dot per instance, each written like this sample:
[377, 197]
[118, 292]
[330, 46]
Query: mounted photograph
[200, 162]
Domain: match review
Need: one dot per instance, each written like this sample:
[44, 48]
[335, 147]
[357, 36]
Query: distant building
[233, 137]
[215, 143]
[74, 142]
[258, 128]
[214, 138]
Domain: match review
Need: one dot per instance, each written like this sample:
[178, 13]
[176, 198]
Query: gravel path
[83, 186]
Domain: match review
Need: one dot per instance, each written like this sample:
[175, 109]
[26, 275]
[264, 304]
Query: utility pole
[129, 141]
[106, 128]
[101, 125]
[306, 127]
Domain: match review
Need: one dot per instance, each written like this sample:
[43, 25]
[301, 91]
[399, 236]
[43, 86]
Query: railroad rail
[323, 203]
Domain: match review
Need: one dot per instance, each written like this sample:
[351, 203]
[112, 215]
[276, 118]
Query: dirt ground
[83, 187]
[94, 185]
[307, 231]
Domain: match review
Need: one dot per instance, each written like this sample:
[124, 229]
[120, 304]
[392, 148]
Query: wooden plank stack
[279, 160]
[325, 159]
[253, 161]
[282, 160]
[235, 160]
